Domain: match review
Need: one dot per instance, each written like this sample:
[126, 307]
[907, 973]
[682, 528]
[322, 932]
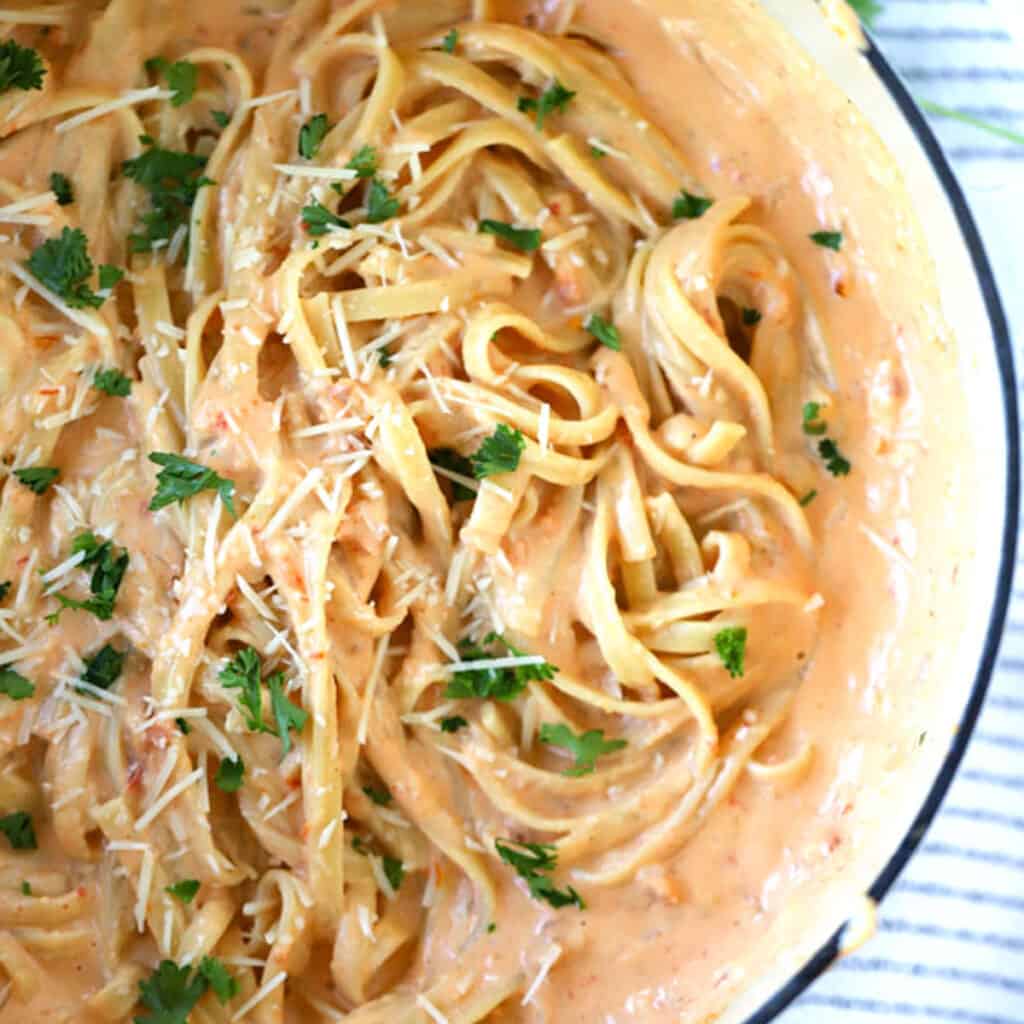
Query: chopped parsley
[184, 891]
[834, 460]
[14, 684]
[230, 774]
[5, 589]
[180, 479]
[808, 498]
[380, 204]
[450, 459]
[109, 276]
[244, 673]
[384, 356]
[183, 727]
[494, 683]
[597, 152]
[63, 265]
[453, 723]
[687, 206]
[556, 97]
[866, 10]
[181, 78]
[109, 566]
[751, 317]
[364, 163]
[21, 67]
[450, 41]
[26, 889]
[103, 669]
[525, 239]
[173, 180]
[171, 992]
[586, 748]
[394, 871]
[318, 220]
[499, 453]
[19, 831]
[531, 862]
[812, 423]
[731, 647]
[60, 186]
[112, 382]
[37, 478]
[606, 333]
[221, 118]
[312, 135]
[828, 239]
[380, 795]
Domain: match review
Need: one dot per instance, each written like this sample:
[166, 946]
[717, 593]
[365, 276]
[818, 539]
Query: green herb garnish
[525, 239]
[19, 831]
[556, 97]
[494, 683]
[180, 479]
[731, 647]
[586, 748]
[244, 673]
[63, 265]
[605, 332]
[109, 566]
[60, 186]
[808, 498]
[531, 862]
[230, 774]
[184, 891]
[112, 382]
[20, 67]
[687, 206]
[450, 41]
[453, 723]
[811, 423]
[448, 458]
[37, 478]
[181, 78]
[828, 239]
[834, 461]
[103, 669]
[14, 684]
[751, 317]
[318, 220]
[380, 795]
[171, 992]
[221, 118]
[499, 453]
[364, 163]
[380, 204]
[394, 871]
[312, 135]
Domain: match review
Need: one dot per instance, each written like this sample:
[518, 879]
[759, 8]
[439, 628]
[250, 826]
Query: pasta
[426, 555]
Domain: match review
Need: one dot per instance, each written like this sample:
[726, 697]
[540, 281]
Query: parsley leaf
[172, 179]
[450, 459]
[364, 163]
[585, 748]
[808, 498]
[230, 774]
[37, 478]
[26, 889]
[394, 871]
[453, 723]
[60, 186]
[318, 220]
[20, 67]
[14, 684]
[170, 993]
[103, 669]
[224, 986]
[384, 356]
[380, 795]
[835, 462]
[450, 41]
[828, 239]
[529, 861]
[811, 423]
[526, 239]
[108, 572]
[731, 646]
[221, 118]
[63, 265]
[19, 831]
[112, 382]
[312, 135]
[5, 588]
[597, 151]
[495, 683]
[184, 891]
[556, 97]
[499, 453]
[687, 206]
[181, 77]
[380, 205]
[109, 276]
[751, 317]
[181, 478]
[183, 727]
[606, 333]
[867, 10]
[287, 715]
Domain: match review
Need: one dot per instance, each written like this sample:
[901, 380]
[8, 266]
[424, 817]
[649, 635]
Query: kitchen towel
[950, 945]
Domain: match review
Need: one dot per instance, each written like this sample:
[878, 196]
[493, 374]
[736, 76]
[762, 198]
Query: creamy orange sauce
[679, 938]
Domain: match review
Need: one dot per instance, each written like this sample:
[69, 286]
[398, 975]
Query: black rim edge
[827, 954]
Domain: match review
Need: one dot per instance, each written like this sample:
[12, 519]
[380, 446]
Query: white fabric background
[951, 942]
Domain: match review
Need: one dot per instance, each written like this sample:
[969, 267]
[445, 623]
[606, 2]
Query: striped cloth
[951, 940]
